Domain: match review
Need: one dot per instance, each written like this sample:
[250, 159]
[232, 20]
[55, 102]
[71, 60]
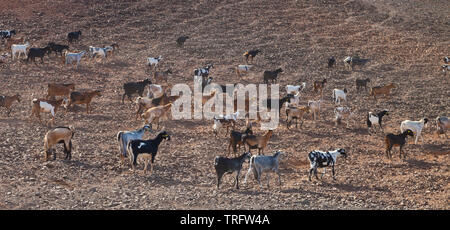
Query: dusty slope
[405, 43]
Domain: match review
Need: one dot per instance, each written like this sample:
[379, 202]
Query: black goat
[229, 165]
[181, 40]
[73, 36]
[392, 140]
[331, 62]
[149, 147]
[38, 52]
[57, 48]
[237, 139]
[361, 83]
[135, 87]
[250, 54]
[271, 75]
[281, 101]
[373, 119]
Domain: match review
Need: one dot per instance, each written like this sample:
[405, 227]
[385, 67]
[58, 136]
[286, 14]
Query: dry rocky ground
[404, 40]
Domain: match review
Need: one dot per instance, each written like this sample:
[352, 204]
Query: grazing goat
[77, 98]
[260, 164]
[257, 142]
[343, 112]
[131, 88]
[294, 112]
[353, 61]
[58, 89]
[373, 119]
[73, 36]
[155, 114]
[203, 72]
[314, 107]
[38, 52]
[21, 49]
[320, 159]
[71, 57]
[7, 33]
[59, 135]
[415, 126]
[229, 165]
[392, 140]
[123, 137]
[97, 51]
[237, 139]
[162, 76]
[442, 124]
[385, 90]
[271, 75]
[331, 62]
[250, 55]
[149, 147]
[338, 95]
[319, 86]
[154, 61]
[7, 101]
[43, 105]
[362, 83]
[243, 69]
[181, 40]
[57, 48]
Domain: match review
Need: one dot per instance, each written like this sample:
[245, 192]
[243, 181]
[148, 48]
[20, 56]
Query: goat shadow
[353, 188]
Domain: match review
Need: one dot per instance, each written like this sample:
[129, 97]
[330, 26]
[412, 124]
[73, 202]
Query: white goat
[243, 69]
[343, 112]
[261, 163]
[155, 91]
[70, 57]
[295, 88]
[339, 94]
[415, 126]
[94, 51]
[19, 49]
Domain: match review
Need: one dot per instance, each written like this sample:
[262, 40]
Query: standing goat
[229, 165]
[415, 126]
[59, 135]
[314, 106]
[320, 159]
[271, 75]
[442, 124]
[339, 94]
[392, 140]
[260, 164]
[131, 88]
[373, 119]
[154, 61]
[257, 142]
[123, 137]
[153, 115]
[77, 98]
[43, 105]
[250, 55]
[6, 101]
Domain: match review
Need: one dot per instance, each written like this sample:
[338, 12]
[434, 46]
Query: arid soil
[404, 40]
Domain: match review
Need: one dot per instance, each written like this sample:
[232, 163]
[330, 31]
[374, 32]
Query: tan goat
[258, 142]
[155, 114]
[145, 103]
[59, 89]
[59, 135]
[7, 101]
[294, 112]
[385, 90]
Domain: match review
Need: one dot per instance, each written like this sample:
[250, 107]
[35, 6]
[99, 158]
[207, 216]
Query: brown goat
[78, 98]
[43, 105]
[293, 112]
[145, 103]
[385, 90]
[59, 135]
[59, 89]
[319, 86]
[7, 101]
[258, 142]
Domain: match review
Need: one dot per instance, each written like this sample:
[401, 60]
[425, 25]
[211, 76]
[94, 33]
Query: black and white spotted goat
[320, 159]
[373, 119]
[203, 72]
[7, 33]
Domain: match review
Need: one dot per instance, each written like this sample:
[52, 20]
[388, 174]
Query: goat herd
[157, 103]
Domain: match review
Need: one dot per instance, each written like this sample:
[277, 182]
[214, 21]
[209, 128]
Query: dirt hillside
[405, 42]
